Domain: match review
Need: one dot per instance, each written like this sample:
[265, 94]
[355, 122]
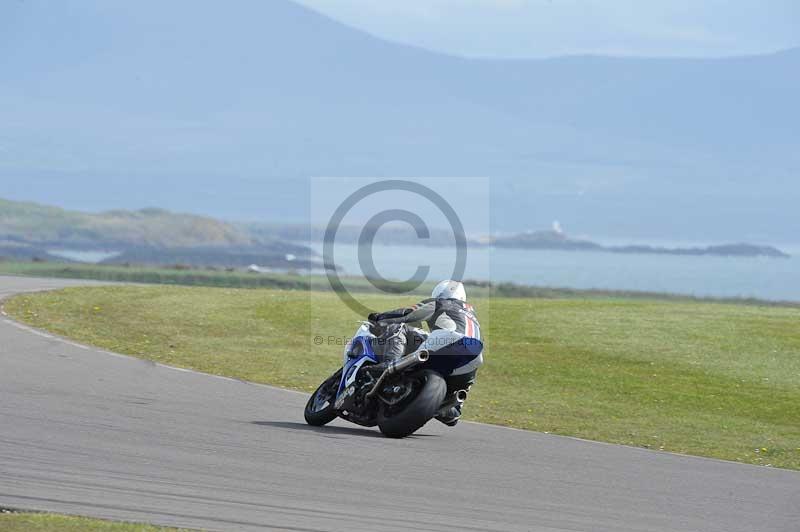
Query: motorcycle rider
[454, 330]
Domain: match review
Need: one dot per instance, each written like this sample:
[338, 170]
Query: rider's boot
[451, 416]
[458, 382]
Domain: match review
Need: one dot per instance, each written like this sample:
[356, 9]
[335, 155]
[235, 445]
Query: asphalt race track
[88, 432]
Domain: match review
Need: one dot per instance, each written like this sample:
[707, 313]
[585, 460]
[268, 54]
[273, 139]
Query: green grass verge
[238, 279]
[39, 522]
[142, 274]
[708, 379]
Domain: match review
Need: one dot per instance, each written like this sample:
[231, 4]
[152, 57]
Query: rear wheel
[319, 408]
[402, 420]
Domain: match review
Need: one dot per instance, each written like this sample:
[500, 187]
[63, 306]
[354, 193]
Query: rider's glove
[373, 317]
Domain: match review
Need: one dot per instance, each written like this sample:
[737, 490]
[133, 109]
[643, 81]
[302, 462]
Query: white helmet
[449, 290]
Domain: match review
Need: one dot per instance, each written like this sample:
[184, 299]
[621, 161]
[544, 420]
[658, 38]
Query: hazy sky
[541, 28]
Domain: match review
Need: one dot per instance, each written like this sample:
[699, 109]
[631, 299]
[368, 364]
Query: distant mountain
[229, 109]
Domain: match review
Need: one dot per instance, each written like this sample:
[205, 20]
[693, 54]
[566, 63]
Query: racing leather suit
[449, 320]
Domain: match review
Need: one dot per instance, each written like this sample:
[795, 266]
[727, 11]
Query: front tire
[418, 411]
[319, 408]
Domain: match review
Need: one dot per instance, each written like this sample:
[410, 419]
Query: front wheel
[405, 419]
[319, 408]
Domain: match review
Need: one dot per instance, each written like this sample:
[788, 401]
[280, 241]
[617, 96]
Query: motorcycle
[398, 396]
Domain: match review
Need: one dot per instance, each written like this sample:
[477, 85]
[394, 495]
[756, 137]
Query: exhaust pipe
[461, 396]
[417, 357]
[413, 359]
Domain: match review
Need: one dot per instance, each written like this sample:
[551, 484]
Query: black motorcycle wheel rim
[416, 382]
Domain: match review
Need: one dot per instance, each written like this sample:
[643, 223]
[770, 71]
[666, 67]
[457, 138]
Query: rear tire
[317, 413]
[418, 411]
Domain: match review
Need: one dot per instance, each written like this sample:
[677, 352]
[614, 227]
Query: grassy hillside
[36, 224]
[708, 379]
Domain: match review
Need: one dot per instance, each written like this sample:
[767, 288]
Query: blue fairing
[360, 352]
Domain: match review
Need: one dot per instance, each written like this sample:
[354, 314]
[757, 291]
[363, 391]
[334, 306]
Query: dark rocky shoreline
[558, 241]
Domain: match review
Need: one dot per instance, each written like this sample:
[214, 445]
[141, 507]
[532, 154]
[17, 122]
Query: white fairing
[449, 290]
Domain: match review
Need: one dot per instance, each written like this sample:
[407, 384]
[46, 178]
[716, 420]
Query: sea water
[759, 277]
